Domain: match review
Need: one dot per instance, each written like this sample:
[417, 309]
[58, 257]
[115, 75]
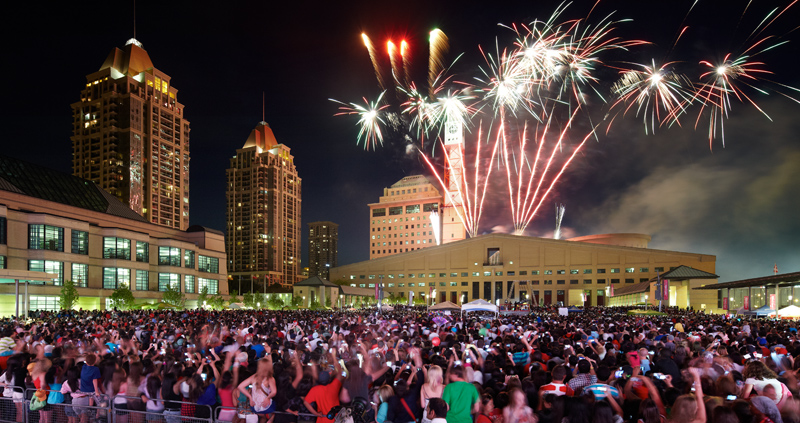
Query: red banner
[746, 302]
[725, 303]
[665, 295]
[772, 302]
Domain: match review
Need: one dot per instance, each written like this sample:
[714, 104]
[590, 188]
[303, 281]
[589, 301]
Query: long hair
[758, 370]
[135, 373]
[73, 378]
[263, 372]
[153, 385]
[648, 411]
[603, 413]
[116, 381]
[434, 378]
[684, 409]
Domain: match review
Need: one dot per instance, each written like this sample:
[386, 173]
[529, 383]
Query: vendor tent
[447, 305]
[478, 305]
[761, 311]
[574, 309]
[387, 307]
[236, 306]
[790, 312]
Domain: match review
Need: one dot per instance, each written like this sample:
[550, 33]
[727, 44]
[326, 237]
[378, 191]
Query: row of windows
[45, 237]
[510, 283]
[400, 219]
[500, 273]
[411, 209]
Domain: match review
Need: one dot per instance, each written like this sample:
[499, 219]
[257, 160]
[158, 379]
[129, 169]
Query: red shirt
[558, 389]
[326, 398]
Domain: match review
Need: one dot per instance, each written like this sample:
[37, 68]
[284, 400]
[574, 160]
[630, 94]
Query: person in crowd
[461, 397]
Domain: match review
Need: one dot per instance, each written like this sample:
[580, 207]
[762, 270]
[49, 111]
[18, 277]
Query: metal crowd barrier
[12, 406]
[16, 409]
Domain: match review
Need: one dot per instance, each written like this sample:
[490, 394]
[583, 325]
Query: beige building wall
[20, 211]
[500, 267]
[401, 219]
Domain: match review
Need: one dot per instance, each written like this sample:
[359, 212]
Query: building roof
[632, 289]
[199, 228]
[351, 290]
[316, 281]
[413, 180]
[682, 273]
[47, 184]
[786, 279]
[131, 60]
[261, 136]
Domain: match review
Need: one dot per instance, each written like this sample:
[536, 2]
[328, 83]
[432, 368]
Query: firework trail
[405, 54]
[394, 58]
[559, 216]
[439, 45]
[374, 59]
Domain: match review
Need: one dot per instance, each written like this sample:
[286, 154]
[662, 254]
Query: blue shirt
[88, 374]
[259, 349]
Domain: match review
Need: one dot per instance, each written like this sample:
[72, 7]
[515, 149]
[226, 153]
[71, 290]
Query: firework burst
[369, 120]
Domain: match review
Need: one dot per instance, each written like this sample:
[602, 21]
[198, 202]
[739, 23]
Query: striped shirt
[6, 344]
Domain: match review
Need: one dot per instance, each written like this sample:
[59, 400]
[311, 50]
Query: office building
[263, 213]
[323, 248]
[58, 224]
[405, 218]
[130, 137]
[596, 270]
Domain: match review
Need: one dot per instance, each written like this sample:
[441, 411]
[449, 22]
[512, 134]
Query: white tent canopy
[790, 311]
[478, 305]
[387, 307]
[447, 305]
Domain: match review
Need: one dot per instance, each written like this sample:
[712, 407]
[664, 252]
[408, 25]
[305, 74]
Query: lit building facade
[70, 228]
[401, 219]
[263, 213]
[130, 137]
[323, 248]
[504, 268]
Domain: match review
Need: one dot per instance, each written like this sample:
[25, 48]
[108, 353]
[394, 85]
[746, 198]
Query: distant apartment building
[130, 137]
[263, 213]
[323, 248]
[401, 219]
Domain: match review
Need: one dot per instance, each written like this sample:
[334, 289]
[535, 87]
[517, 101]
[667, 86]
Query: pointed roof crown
[261, 136]
[131, 60]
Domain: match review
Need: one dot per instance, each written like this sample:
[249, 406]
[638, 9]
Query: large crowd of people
[408, 365]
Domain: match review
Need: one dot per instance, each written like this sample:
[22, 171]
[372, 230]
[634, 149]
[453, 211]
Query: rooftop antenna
[134, 19]
[263, 107]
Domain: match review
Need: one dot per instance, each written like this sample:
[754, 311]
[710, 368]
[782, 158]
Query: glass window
[412, 209]
[44, 237]
[169, 256]
[189, 283]
[548, 272]
[659, 269]
[548, 281]
[587, 281]
[142, 252]
[498, 273]
[211, 284]
[48, 266]
[615, 270]
[511, 273]
[394, 211]
[573, 271]
[142, 280]
[169, 279]
[644, 269]
[601, 270]
[2, 262]
[629, 280]
[573, 281]
[433, 275]
[3, 230]
[534, 272]
[114, 277]
[372, 276]
[587, 271]
[49, 303]
[560, 282]
[80, 274]
[429, 207]
[188, 259]
[455, 274]
[391, 285]
[401, 285]
[116, 248]
[442, 284]
[80, 242]
[411, 285]
[614, 280]
[378, 212]
[629, 270]
[561, 272]
[487, 273]
[401, 276]
[444, 275]
[421, 284]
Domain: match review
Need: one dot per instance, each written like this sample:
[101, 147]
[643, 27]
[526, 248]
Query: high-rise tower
[323, 248]
[130, 136]
[263, 198]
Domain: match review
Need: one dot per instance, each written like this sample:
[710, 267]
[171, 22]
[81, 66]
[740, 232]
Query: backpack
[344, 416]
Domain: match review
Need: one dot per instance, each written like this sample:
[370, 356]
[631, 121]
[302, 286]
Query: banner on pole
[725, 303]
[772, 302]
[665, 295]
[746, 302]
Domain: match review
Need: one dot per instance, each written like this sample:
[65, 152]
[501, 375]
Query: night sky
[740, 202]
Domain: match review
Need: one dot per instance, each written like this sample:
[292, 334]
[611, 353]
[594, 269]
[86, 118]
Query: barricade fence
[15, 408]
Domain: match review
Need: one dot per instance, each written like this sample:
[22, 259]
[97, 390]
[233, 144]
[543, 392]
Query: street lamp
[258, 305]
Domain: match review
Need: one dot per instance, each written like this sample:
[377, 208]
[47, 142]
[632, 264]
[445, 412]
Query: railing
[15, 408]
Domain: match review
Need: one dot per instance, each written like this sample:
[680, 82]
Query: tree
[202, 298]
[249, 300]
[234, 297]
[328, 302]
[122, 298]
[216, 302]
[69, 295]
[275, 302]
[297, 301]
[174, 297]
